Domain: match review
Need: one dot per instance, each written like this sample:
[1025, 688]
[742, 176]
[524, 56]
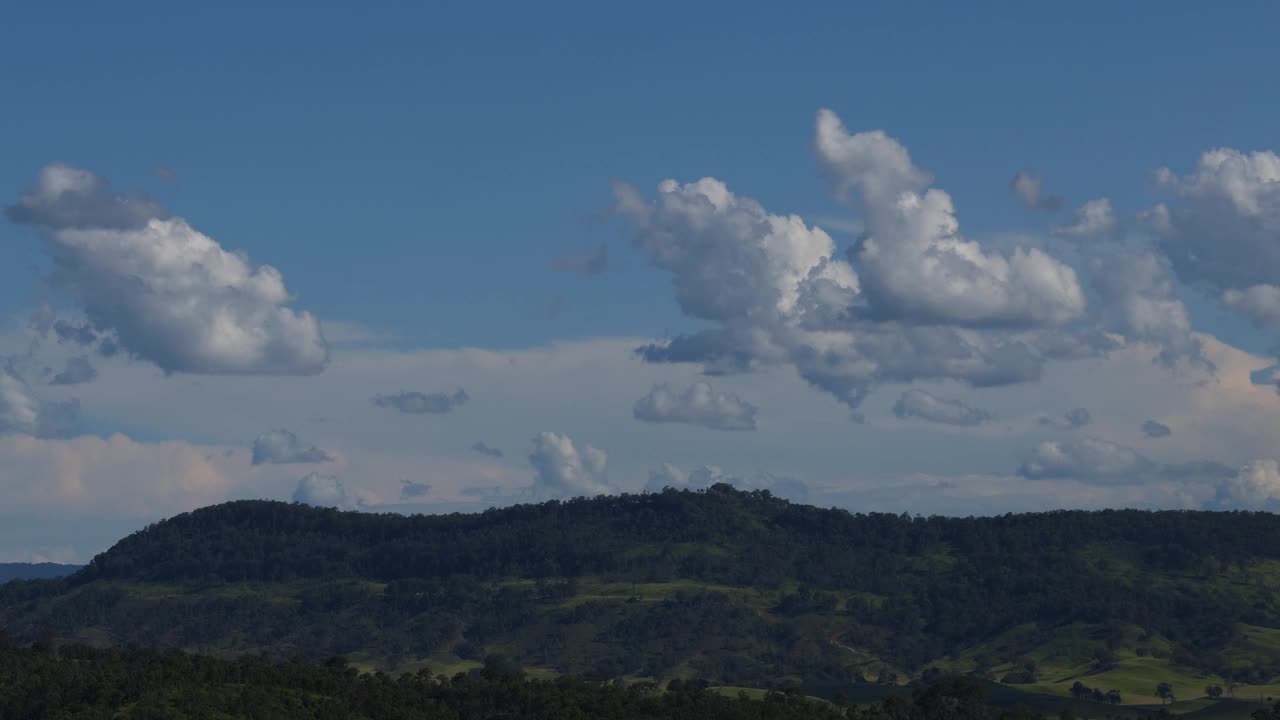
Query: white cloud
[323, 491]
[1094, 219]
[1220, 230]
[170, 295]
[696, 405]
[919, 404]
[564, 470]
[282, 446]
[1088, 459]
[703, 477]
[1255, 487]
[914, 264]
[1139, 301]
[1029, 190]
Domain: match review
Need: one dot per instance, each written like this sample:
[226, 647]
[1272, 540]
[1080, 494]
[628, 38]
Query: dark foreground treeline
[78, 682]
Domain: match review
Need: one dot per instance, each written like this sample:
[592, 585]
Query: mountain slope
[737, 588]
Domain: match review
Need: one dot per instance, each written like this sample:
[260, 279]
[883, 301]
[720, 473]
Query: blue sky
[416, 171]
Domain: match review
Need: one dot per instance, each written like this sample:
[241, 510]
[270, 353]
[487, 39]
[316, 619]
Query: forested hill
[31, 571]
[727, 586]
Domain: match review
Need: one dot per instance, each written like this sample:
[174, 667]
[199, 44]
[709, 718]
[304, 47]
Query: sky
[436, 257]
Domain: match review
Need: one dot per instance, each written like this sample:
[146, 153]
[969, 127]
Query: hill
[734, 588]
[34, 571]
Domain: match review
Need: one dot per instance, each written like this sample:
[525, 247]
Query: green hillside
[730, 588]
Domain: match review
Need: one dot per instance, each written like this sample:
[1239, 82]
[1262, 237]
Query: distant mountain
[735, 588]
[34, 571]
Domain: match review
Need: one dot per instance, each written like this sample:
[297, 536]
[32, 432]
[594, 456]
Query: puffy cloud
[22, 414]
[1255, 487]
[696, 405]
[77, 370]
[914, 264]
[1027, 187]
[484, 449]
[701, 478]
[1260, 303]
[592, 264]
[1090, 460]
[920, 404]
[416, 403]
[1139, 302]
[1220, 230]
[562, 469]
[1094, 219]
[1153, 429]
[282, 446]
[413, 491]
[65, 197]
[934, 306]
[167, 293]
[323, 491]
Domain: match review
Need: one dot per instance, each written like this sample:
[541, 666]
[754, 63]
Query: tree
[1213, 691]
[1113, 697]
[1080, 691]
[1164, 691]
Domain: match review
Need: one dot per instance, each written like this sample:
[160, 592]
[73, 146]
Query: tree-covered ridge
[733, 587]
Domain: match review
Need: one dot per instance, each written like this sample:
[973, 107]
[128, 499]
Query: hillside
[34, 571]
[738, 589]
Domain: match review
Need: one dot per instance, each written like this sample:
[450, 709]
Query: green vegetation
[719, 587]
[81, 683]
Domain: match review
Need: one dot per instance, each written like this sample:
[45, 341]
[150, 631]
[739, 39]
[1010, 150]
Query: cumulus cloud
[1153, 429]
[1256, 486]
[165, 292]
[701, 478]
[77, 370]
[563, 469]
[1139, 302]
[412, 491]
[1029, 190]
[696, 405]
[924, 406]
[22, 414]
[1091, 460]
[323, 491]
[1220, 229]
[484, 449]
[914, 264]
[282, 446]
[924, 303]
[1259, 303]
[592, 264]
[69, 198]
[1094, 219]
[416, 403]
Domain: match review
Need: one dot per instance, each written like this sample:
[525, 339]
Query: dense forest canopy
[727, 585]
